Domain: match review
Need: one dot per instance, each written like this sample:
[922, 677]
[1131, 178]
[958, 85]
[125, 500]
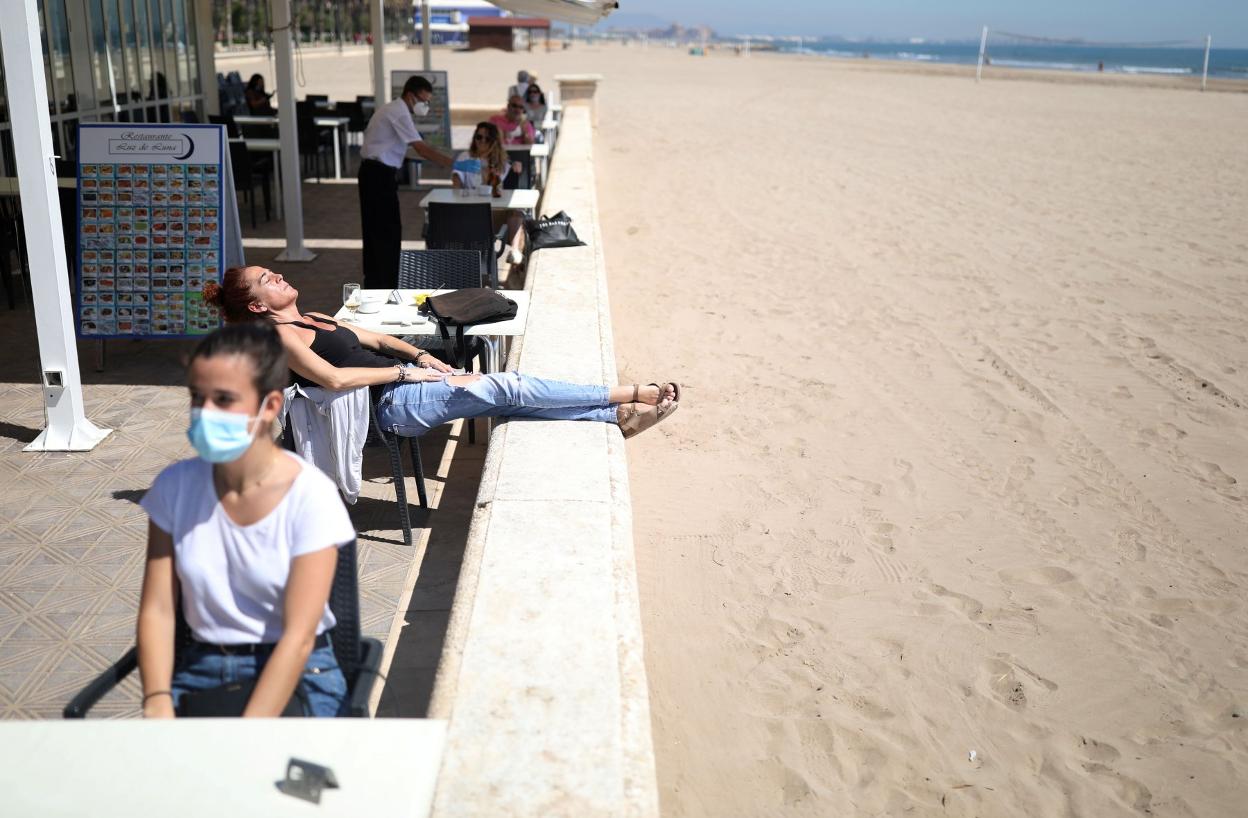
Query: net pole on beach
[983, 44]
[1204, 74]
[426, 35]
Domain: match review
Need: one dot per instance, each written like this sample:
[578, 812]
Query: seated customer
[515, 128]
[482, 163]
[535, 106]
[245, 539]
[484, 160]
[418, 392]
[258, 101]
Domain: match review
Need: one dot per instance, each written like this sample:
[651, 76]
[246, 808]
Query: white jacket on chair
[329, 430]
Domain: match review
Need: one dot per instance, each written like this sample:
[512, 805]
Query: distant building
[448, 22]
[501, 32]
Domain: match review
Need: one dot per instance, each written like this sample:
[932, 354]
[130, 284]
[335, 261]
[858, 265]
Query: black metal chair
[246, 176]
[467, 226]
[523, 179]
[358, 656]
[231, 127]
[394, 447]
[452, 269]
[315, 143]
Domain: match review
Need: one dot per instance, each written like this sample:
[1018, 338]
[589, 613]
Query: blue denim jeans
[411, 409]
[323, 684]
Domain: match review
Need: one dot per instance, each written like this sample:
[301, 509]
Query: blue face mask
[220, 437]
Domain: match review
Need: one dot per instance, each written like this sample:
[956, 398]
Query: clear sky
[1110, 20]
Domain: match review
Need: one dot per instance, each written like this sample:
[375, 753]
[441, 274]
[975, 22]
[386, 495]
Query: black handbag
[465, 308]
[230, 700]
[551, 231]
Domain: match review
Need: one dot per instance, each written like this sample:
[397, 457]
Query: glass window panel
[143, 32]
[97, 34]
[61, 63]
[167, 65]
[192, 49]
[130, 53]
[181, 47]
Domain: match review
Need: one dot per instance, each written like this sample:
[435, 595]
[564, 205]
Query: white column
[426, 47]
[287, 126]
[381, 83]
[67, 427]
[206, 49]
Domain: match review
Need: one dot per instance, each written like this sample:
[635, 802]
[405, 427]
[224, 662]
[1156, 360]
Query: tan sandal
[634, 419]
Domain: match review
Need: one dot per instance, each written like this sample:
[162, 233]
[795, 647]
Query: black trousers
[380, 224]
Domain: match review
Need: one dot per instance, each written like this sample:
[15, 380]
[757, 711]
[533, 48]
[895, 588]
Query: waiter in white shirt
[386, 139]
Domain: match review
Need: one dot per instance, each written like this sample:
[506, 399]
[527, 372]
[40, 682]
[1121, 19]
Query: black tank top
[339, 347]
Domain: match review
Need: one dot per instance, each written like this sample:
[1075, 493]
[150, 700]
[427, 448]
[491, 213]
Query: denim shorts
[322, 683]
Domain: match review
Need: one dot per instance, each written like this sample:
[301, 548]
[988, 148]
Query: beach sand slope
[952, 521]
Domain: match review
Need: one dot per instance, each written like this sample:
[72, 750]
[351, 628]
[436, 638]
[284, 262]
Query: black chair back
[231, 127]
[427, 269]
[240, 164]
[467, 226]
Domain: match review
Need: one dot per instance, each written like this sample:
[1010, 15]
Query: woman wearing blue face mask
[245, 538]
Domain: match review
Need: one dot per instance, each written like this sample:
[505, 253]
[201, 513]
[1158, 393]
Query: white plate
[370, 307]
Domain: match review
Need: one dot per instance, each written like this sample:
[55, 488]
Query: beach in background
[952, 519]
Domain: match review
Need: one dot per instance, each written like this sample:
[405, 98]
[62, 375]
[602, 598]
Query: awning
[576, 12]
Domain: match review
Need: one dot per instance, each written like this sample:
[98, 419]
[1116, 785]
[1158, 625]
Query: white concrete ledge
[541, 676]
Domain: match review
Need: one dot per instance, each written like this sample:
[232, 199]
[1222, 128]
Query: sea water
[1229, 63]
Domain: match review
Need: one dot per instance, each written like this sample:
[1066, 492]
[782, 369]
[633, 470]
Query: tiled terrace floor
[72, 535]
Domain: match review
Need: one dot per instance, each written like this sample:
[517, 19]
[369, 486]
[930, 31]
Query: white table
[549, 127]
[523, 199]
[273, 146]
[208, 768]
[541, 156]
[407, 311]
[336, 123]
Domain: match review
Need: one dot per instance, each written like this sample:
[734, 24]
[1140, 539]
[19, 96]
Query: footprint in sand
[1046, 575]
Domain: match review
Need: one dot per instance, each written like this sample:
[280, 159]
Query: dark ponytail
[258, 343]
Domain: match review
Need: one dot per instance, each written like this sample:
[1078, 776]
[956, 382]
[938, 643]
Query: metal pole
[287, 127]
[1204, 77]
[66, 425]
[426, 46]
[377, 18]
[983, 43]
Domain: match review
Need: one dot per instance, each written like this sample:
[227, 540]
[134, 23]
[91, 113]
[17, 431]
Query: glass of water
[351, 297]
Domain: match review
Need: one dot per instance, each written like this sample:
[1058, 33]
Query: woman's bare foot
[647, 393]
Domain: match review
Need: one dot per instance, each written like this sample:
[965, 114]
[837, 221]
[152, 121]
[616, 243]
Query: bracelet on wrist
[154, 693]
[402, 373]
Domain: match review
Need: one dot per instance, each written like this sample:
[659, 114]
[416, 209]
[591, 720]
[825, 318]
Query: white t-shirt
[389, 133]
[234, 577]
[471, 170]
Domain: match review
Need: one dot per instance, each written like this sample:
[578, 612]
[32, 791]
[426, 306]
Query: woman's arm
[156, 624]
[307, 590]
[307, 364]
[392, 346]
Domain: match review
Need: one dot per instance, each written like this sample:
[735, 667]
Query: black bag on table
[551, 231]
[465, 308]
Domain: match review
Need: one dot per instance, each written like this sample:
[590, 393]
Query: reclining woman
[247, 536]
[418, 392]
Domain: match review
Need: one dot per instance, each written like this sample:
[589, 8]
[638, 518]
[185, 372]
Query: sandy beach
[952, 521]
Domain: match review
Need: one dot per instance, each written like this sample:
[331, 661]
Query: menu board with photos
[151, 228]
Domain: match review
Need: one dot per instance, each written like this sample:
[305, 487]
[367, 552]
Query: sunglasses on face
[481, 137]
[515, 107]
